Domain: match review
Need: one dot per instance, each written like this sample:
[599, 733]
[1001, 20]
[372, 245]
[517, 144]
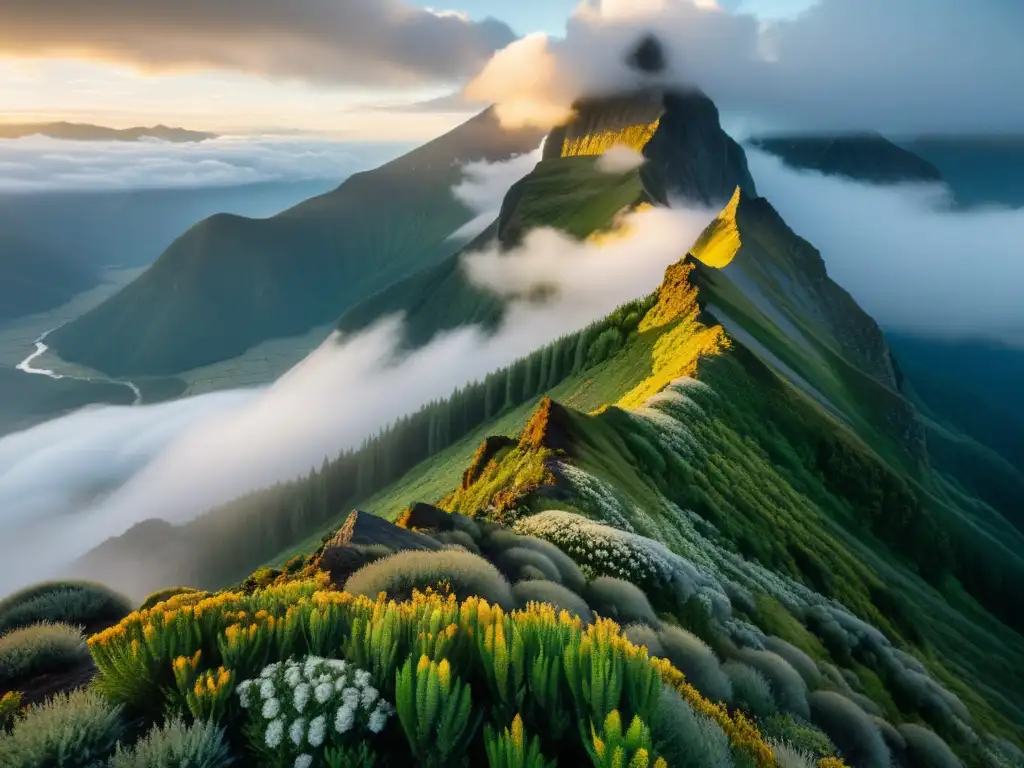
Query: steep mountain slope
[230, 282]
[740, 446]
[35, 279]
[863, 156]
[688, 157]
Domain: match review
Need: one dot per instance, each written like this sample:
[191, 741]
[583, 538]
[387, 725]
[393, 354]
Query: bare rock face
[422, 516]
[648, 56]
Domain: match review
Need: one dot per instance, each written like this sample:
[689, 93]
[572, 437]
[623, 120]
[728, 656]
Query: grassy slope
[231, 282]
[568, 193]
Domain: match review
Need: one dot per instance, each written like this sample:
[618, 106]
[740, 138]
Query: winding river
[27, 366]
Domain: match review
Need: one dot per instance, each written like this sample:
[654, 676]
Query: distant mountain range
[88, 132]
[230, 282]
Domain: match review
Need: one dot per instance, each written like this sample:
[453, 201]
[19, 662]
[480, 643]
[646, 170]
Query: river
[27, 366]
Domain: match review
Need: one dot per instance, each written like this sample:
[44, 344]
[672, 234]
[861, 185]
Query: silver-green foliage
[513, 560]
[537, 591]
[797, 659]
[643, 635]
[176, 745]
[789, 756]
[69, 731]
[851, 729]
[39, 648]
[72, 602]
[692, 656]
[464, 572]
[750, 689]
[685, 738]
[787, 685]
[925, 749]
[619, 600]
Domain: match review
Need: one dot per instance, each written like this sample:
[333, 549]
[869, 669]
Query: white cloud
[898, 66]
[484, 186]
[39, 163]
[620, 159]
[175, 461]
[907, 257]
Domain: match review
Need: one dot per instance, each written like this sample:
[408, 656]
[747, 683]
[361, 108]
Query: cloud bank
[357, 42]
[909, 259]
[484, 186]
[897, 66]
[191, 455]
[38, 163]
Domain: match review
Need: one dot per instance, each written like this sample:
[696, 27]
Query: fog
[189, 456]
[43, 164]
[896, 66]
[908, 258]
[484, 186]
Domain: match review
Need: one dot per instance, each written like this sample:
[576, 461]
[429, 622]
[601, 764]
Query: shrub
[401, 573]
[801, 735]
[33, 650]
[868, 705]
[80, 603]
[800, 661]
[686, 739]
[460, 539]
[750, 689]
[835, 678]
[790, 756]
[619, 600]
[311, 706]
[165, 594]
[70, 730]
[176, 745]
[10, 705]
[926, 750]
[787, 686]
[606, 551]
[560, 598]
[697, 661]
[559, 675]
[512, 561]
[850, 728]
[646, 637]
[893, 738]
[569, 573]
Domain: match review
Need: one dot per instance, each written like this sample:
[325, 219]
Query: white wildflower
[293, 676]
[270, 670]
[271, 708]
[243, 693]
[301, 696]
[303, 761]
[379, 716]
[324, 678]
[323, 692]
[317, 731]
[345, 718]
[267, 689]
[338, 665]
[368, 697]
[275, 730]
[311, 666]
[361, 678]
[297, 731]
[351, 697]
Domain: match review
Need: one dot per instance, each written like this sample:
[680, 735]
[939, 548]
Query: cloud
[897, 66]
[909, 259]
[38, 163]
[359, 42]
[484, 186]
[620, 159]
[175, 461]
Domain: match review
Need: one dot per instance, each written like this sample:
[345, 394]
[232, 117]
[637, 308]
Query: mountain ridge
[89, 132]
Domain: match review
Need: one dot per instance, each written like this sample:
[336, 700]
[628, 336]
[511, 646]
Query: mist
[207, 450]
[484, 186]
[43, 164]
[895, 66]
[910, 259]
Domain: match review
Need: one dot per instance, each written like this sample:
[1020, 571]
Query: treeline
[232, 540]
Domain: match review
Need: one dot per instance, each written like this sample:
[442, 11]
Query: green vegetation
[35, 279]
[176, 745]
[39, 648]
[84, 603]
[69, 731]
[164, 594]
[302, 267]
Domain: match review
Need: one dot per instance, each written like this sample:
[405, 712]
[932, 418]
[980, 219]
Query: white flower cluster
[596, 496]
[304, 704]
